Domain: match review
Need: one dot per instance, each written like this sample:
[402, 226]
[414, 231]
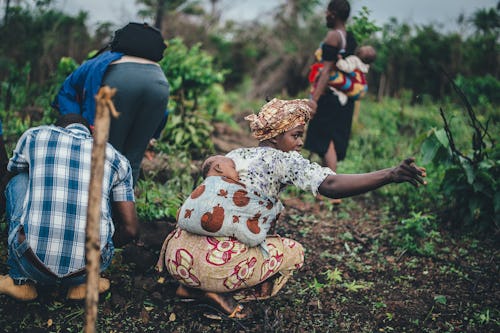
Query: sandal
[237, 311]
[234, 315]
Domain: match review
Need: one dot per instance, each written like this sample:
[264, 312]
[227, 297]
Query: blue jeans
[21, 269]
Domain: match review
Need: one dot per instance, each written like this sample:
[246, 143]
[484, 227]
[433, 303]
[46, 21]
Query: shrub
[417, 234]
[480, 90]
[471, 180]
[196, 95]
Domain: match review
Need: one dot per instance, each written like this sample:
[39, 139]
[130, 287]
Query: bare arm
[341, 186]
[126, 223]
[332, 39]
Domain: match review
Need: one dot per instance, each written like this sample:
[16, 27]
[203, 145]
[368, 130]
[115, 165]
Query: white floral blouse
[269, 170]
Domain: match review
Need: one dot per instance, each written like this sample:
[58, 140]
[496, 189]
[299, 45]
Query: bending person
[223, 206]
[142, 89]
[220, 270]
[47, 199]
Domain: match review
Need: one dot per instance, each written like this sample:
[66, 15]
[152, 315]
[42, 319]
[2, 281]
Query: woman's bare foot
[227, 304]
[224, 302]
[266, 289]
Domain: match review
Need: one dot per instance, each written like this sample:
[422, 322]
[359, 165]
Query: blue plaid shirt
[55, 206]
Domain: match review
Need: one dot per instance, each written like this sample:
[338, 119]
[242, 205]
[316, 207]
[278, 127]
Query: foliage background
[419, 70]
[221, 71]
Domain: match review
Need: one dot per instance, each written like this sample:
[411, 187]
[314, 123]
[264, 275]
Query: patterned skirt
[223, 264]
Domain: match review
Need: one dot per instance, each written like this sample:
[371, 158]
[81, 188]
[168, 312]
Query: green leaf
[442, 138]
[440, 299]
[178, 137]
[468, 169]
[435, 148]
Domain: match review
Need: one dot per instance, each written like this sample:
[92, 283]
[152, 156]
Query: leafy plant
[156, 199]
[356, 286]
[334, 276]
[472, 180]
[195, 97]
[416, 234]
[361, 26]
[480, 90]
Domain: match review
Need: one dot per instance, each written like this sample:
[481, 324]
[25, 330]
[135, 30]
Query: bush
[196, 96]
[480, 90]
[471, 180]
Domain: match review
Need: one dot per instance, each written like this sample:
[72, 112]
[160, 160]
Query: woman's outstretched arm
[346, 185]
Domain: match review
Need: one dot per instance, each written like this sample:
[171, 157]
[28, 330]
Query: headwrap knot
[279, 116]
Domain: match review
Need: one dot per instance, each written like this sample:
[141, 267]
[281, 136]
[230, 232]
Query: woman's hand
[408, 171]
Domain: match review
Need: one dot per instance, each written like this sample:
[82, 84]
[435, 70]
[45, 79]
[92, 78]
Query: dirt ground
[354, 280]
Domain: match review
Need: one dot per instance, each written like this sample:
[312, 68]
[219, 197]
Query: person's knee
[300, 255]
[297, 252]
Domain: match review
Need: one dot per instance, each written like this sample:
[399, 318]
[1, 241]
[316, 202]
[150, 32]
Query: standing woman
[329, 129]
[131, 66]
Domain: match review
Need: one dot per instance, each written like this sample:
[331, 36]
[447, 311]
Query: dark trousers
[141, 99]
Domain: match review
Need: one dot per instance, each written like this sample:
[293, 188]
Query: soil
[354, 280]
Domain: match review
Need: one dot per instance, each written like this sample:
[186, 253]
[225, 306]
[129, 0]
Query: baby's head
[366, 53]
[219, 165]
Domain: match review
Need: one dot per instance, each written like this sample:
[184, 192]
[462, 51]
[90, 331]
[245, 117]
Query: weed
[355, 286]
[315, 286]
[379, 305]
[334, 276]
[416, 234]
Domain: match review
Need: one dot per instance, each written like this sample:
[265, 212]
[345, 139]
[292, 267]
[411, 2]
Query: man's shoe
[23, 292]
[78, 292]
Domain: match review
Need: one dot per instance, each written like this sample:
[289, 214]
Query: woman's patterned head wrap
[279, 116]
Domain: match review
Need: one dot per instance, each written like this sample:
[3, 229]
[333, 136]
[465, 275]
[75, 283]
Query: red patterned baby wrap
[223, 207]
[353, 83]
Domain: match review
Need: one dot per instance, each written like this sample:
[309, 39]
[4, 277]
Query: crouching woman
[224, 271]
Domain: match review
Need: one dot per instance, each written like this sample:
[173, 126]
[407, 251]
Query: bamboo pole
[104, 106]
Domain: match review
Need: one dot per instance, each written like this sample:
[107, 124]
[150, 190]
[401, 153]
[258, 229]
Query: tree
[486, 21]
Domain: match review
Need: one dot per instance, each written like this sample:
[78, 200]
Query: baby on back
[223, 206]
[350, 79]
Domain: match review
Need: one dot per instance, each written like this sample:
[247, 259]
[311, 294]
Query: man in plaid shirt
[47, 209]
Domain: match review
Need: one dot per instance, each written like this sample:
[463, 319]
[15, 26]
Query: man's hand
[408, 171]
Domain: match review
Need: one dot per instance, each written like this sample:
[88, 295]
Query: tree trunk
[160, 9]
[92, 246]
[381, 87]
[6, 13]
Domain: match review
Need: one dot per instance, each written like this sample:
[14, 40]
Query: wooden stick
[104, 106]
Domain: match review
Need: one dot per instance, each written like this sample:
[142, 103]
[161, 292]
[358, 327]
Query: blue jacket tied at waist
[86, 79]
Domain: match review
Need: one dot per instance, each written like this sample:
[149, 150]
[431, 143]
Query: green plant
[480, 90]
[356, 286]
[195, 97]
[361, 26]
[334, 276]
[379, 305]
[157, 199]
[471, 180]
[315, 286]
[417, 234]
